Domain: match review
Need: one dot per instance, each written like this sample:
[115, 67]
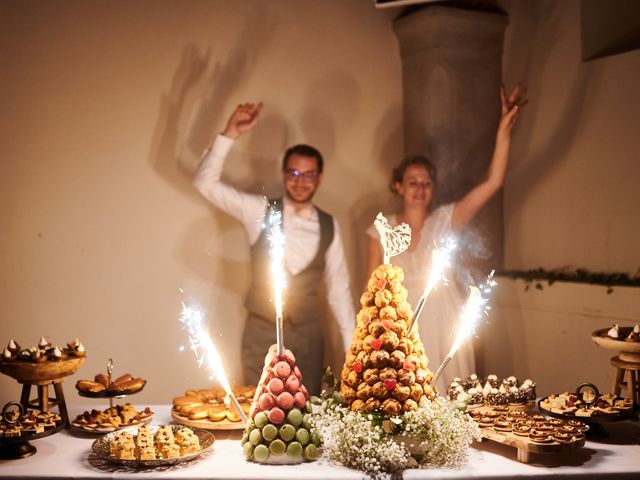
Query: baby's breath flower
[436, 434]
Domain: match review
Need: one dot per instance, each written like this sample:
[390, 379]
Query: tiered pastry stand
[13, 448]
[42, 375]
[626, 363]
[106, 394]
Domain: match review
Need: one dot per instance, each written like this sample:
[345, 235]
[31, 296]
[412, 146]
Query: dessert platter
[111, 419]
[529, 433]
[625, 340]
[42, 365]
[587, 405]
[42, 362]
[473, 392]
[18, 427]
[209, 408]
[151, 446]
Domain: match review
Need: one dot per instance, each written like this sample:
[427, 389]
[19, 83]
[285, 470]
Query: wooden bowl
[31, 372]
[629, 351]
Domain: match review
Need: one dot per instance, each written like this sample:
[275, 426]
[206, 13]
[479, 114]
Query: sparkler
[440, 260]
[276, 243]
[206, 352]
[473, 309]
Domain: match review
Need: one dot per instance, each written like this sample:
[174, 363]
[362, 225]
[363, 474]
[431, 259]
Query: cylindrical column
[452, 68]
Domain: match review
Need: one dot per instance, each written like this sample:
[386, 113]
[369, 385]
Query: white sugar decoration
[395, 240]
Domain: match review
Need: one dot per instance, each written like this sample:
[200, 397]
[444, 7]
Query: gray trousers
[305, 340]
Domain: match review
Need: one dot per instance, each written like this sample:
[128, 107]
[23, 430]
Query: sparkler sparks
[275, 235]
[205, 351]
[440, 261]
[474, 308]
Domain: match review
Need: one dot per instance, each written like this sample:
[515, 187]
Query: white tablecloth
[68, 455]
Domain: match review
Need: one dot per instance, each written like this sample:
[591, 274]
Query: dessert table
[68, 455]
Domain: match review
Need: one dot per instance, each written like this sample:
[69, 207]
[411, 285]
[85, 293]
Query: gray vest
[302, 294]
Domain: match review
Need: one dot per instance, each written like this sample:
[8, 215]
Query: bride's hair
[398, 173]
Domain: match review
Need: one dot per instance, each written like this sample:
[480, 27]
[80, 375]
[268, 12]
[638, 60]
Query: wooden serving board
[526, 446]
[207, 424]
[47, 371]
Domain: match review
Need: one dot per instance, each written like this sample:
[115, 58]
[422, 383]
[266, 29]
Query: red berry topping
[366, 319]
[390, 383]
[376, 343]
[380, 283]
[357, 366]
[387, 323]
[409, 364]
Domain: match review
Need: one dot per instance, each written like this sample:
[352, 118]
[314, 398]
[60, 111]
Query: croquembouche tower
[386, 368]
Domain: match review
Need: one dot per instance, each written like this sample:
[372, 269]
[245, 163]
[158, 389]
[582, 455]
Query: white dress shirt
[301, 229]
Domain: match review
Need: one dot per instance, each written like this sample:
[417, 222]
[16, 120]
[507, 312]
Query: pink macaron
[285, 400]
[299, 400]
[282, 369]
[266, 401]
[297, 373]
[270, 358]
[275, 386]
[289, 357]
[276, 416]
[303, 389]
[292, 384]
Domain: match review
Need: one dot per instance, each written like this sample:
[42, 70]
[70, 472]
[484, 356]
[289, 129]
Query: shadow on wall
[366, 207]
[537, 165]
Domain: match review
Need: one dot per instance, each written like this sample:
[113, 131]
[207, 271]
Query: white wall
[106, 107]
[571, 195]
[571, 200]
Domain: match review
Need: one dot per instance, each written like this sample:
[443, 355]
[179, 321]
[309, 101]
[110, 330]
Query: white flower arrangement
[433, 435]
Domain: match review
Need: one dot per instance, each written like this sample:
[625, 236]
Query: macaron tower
[280, 429]
[385, 369]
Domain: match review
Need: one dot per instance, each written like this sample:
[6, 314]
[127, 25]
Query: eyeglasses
[294, 174]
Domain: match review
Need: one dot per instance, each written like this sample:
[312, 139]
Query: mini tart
[522, 430]
[556, 422]
[539, 418]
[492, 414]
[544, 427]
[502, 426]
[485, 421]
[518, 414]
[563, 437]
[540, 438]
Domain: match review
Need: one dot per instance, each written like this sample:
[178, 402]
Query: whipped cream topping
[57, 353]
[80, 347]
[614, 331]
[12, 345]
[487, 388]
[473, 377]
[6, 353]
[43, 342]
[636, 329]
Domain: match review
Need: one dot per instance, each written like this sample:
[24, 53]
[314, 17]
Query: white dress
[438, 323]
